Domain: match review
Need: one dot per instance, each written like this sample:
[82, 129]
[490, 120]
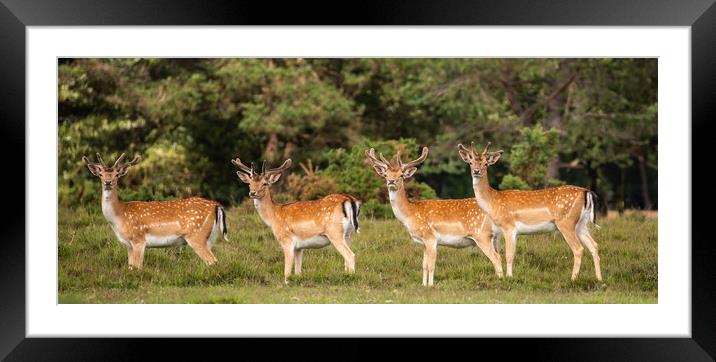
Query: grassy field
[93, 268]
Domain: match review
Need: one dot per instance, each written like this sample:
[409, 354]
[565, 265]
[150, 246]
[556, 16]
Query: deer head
[110, 175]
[478, 161]
[259, 183]
[394, 174]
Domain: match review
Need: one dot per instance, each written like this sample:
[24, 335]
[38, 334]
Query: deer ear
[93, 168]
[122, 171]
[492, 157]
[409, 172]
[243, 177]
[274, 177]
[464, 153]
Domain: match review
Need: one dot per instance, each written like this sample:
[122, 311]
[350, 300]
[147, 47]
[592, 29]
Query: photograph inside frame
[357, 180]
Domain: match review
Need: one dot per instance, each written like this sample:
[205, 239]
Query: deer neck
[402, 207]
[266, 208]
[484, 193]
[111, 206]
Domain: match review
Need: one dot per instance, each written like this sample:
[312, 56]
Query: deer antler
[371, 156]
[415, 162]
[463, 148]
[384, 160]
[119, 165]
[99, 158]
[133, 162]
[249, 170]
[286, 164]
[486, 147]
[121, 157]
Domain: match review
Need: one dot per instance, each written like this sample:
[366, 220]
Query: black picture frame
[700, 15]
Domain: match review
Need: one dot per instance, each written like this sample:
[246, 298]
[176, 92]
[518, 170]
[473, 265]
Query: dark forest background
[587, 122]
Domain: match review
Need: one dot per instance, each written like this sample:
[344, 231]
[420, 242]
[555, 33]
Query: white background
[670, 317]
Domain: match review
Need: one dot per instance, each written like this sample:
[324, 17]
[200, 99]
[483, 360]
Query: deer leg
[495, 242]
[510, 246]
[431, 248]
[288, 258]
[425, 266]
[130, 257]
[570, 235]
[586, 238]
[198, 243]
[348, 237]
[138, 254]
[298, 262]
[485, 244]
[339, 242]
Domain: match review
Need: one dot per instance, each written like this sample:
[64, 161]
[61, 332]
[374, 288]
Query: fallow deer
[568, 209]
[303, 224]
[155, 224]
[452, 223]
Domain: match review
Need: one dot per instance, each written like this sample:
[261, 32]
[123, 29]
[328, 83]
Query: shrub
[164, 173]
[309, 186]
[511, 182]
[354, 175]
[375, 209]
[530, 157]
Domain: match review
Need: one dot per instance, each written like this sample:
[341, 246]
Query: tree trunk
[271, 147]
[648, 205]
[554, 120]
[556, 105]
[288, 150]
[602, 208]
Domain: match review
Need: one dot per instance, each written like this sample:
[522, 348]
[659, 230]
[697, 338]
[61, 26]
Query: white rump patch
[214, 234]
[585, 218]
[348, 228]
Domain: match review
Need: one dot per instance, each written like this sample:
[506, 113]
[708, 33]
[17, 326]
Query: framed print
[288, 181]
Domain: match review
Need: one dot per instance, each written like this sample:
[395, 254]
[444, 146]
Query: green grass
[93, 268]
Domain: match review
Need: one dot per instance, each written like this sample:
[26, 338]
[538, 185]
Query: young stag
[566, 208]
[154, 224]
[452, 223]
[303, 224]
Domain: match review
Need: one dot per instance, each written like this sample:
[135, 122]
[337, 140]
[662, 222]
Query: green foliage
[374, 209]
[354, 175]
[165, 172]
[511, 182]
[530, 157]
[295, 102]
[211, 110]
